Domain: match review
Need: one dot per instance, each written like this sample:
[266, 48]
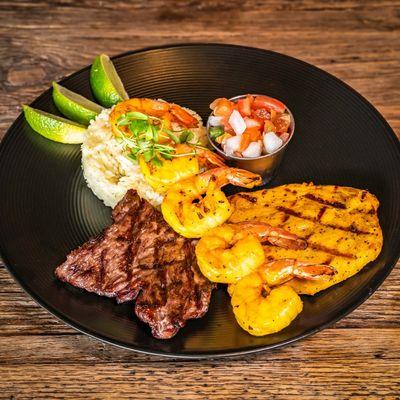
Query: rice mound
[109, 172]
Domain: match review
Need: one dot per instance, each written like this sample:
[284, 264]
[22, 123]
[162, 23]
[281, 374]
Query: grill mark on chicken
[330, 251]
[335, 204]
[350, 228]
[247, 197]
[321, 213]
[140, 257]
[328, 260]
[285, 218]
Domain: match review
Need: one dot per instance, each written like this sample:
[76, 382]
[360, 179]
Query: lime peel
[106, 85]
[53, 127]
[74, 106]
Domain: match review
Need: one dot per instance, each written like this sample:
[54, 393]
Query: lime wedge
[105, 82]
[53, 127]
[74, 106]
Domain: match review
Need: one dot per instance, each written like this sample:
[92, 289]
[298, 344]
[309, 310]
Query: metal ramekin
[265, 165]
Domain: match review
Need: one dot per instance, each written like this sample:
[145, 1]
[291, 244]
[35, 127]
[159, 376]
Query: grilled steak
[140, 257]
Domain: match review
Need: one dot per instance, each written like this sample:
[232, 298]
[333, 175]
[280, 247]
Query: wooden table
[358, 41]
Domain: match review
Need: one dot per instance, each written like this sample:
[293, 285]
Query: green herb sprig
[145, 132]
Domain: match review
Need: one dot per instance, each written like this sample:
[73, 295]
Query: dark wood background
[358, 41]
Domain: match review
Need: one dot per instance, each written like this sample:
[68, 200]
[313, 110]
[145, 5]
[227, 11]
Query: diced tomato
[244, 106]
[282, 123]
[253, 122]
[244, 142]
[217, 101]
[254, 133]
[226, 125]
[262, 113]
[269, 126]
[285, 136]
[223, 110]
[269, 103]
[222, 107]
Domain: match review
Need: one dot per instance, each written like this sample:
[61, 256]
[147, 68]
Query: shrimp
[195, 205]
[167, 112]
[188, 161]
[262, 305]
[229, 252]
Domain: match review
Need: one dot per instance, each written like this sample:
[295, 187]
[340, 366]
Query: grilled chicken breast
[340, 225]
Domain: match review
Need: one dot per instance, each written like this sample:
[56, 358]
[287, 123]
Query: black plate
[47, 210]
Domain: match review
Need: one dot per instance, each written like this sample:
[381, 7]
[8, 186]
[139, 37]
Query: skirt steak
[140, 257]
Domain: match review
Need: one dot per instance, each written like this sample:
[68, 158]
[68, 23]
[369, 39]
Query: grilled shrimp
[169, 113]
[195, 205]
[180, 167]
[261, 307]
[229, 252]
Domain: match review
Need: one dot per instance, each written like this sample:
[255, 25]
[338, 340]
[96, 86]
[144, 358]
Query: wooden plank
[334, 364]
[333, 345]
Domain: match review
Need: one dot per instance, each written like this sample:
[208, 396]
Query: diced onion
[215, 121]
[231, 145]
[272, 142]
[237, 123]
[254, 149]
[251, 123]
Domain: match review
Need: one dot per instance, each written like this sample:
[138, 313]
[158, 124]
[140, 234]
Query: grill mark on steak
[140, 257]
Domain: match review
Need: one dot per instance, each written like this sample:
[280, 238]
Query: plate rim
[366, 291]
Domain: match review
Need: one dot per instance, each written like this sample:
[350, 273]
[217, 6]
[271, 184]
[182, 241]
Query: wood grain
[358, 41]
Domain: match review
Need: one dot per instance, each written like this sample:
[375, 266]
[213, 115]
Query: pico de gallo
[249, 126]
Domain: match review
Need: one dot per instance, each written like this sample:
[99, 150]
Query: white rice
[107, 169]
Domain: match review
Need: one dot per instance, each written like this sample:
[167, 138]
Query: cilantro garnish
[143, 134]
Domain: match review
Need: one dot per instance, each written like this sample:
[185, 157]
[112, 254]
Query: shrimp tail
[224, 175]
[276, 236]
[282, 238]
[313, 272]
[212, 159]
[277, 272]
[243, 178]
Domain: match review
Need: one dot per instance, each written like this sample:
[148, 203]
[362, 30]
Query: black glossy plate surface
[46, 209]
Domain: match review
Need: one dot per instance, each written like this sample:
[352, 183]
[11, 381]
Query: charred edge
[350, 228]
[363, 194]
